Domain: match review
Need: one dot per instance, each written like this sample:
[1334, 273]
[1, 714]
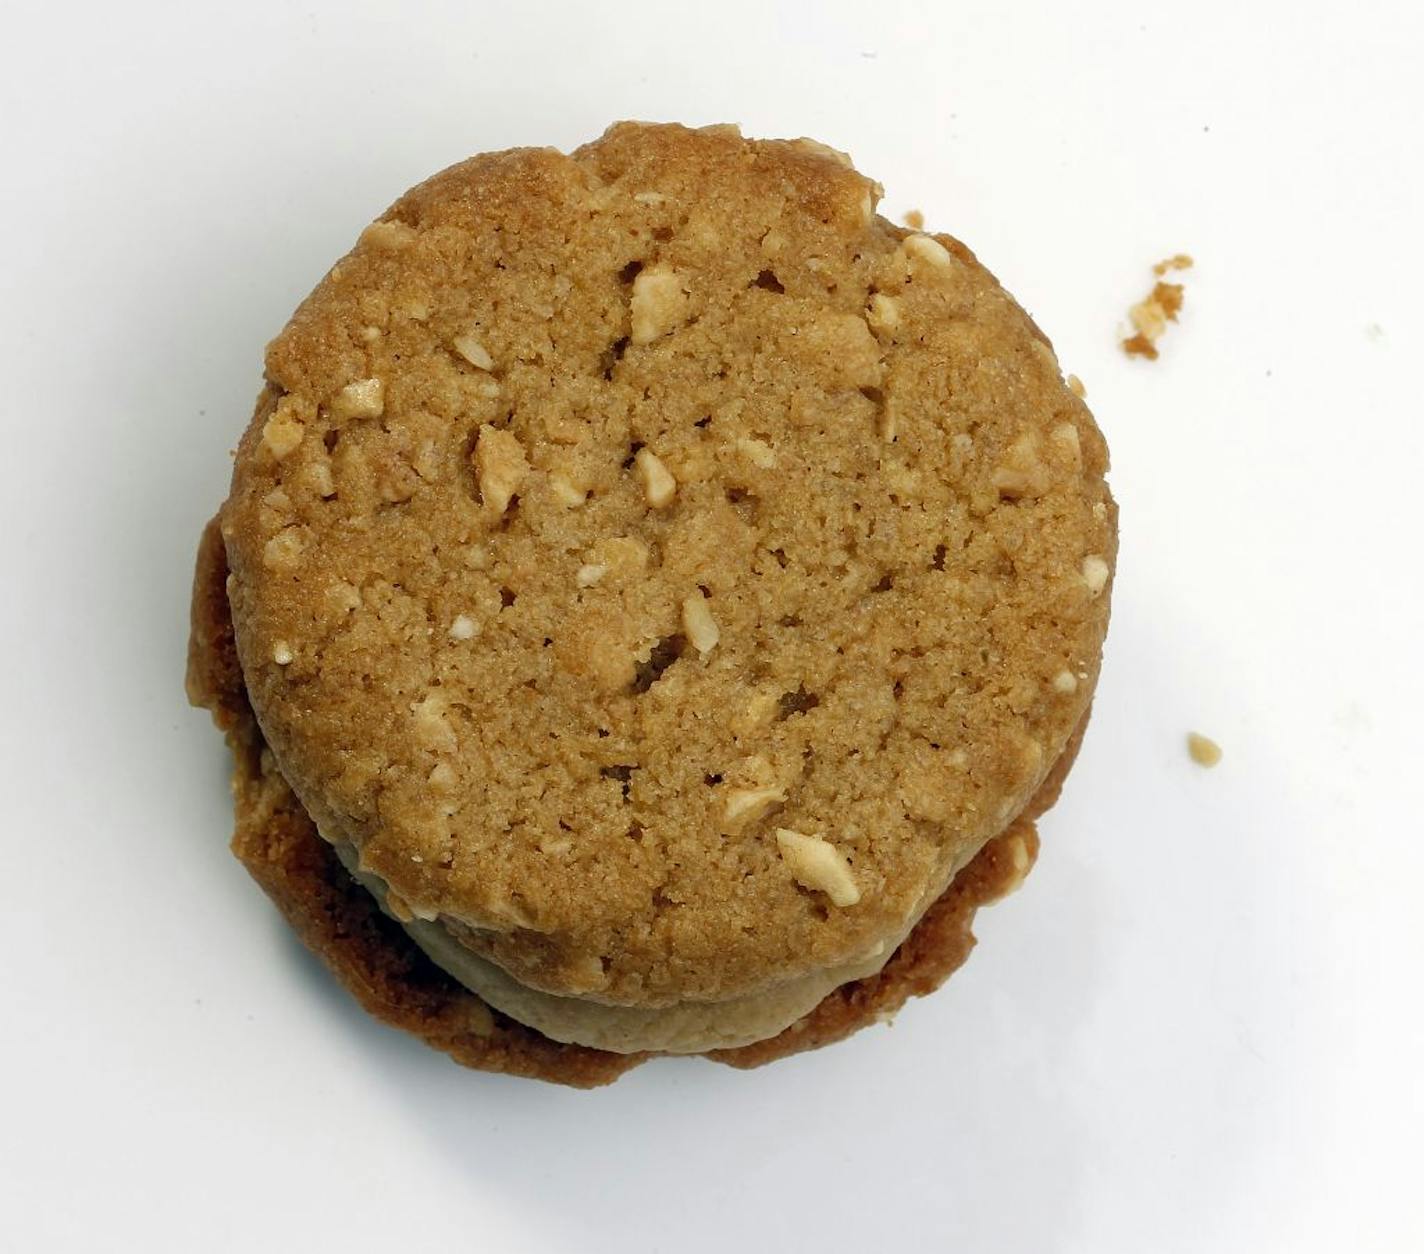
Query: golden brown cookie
[662, 573]
[374, 958]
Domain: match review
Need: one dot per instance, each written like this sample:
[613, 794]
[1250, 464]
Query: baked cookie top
[664, 571]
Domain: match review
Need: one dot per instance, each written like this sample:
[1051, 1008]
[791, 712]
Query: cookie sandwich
[656, 597]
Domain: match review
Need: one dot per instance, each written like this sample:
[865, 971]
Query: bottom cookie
[373, 957]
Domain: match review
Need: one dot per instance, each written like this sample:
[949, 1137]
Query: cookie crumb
[1204, 750]
[818, 864]
[914, 219]
[1178, 261]
[1161, 305]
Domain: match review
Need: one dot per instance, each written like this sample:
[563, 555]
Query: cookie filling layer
[689, 1027]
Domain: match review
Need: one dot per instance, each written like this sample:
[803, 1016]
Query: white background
[1198, 1027]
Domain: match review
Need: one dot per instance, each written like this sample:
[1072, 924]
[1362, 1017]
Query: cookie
[658, 576]
[394, 981]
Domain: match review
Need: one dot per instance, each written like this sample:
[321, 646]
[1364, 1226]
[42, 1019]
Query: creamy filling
[688, 1027]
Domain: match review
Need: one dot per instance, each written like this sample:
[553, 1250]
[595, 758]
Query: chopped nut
[342, 597]
[823, 150]
[319, 479]
[699, 625]
[282, 433]
[431, 729]
[1065, 434]
[621, 555]
[283, 550]
[659, 487]
[757, 711]
[867, 206]
[1075, 385]
[927, 249]
[370, 334]
[649, 198]
[276, 510]
[500, 467]
[464, 628]
[914, 219]
[818, 864]
[758, 452]
[589, 575]
[282, 653]
[887, 420]
[884, 313]
[1100, 510]
[1095, 573]
[442, 777]
[658, 305]
[1030, 755]
[569, 494]
[1014, 852]
[747, 805]
[1044, 352]
[1065, 682]
[1022, 472]
[1204, 750]
[1065, 439]
[473, 352]
[387, 235]
[366, 398]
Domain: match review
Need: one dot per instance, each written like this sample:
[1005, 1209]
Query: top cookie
[664, 571]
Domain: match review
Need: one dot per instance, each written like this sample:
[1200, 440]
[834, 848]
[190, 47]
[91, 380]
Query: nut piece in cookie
[818, 864]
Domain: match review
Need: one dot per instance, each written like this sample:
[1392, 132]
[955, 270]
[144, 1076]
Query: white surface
[1199, 1025]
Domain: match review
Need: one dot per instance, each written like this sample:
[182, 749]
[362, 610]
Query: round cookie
[663, 571]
